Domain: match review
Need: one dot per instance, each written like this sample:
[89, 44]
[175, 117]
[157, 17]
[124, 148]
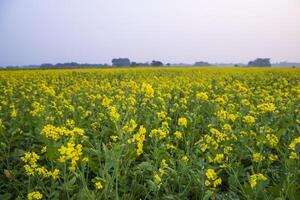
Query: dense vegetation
[150, 133]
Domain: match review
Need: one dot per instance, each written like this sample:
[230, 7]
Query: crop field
[150, 133]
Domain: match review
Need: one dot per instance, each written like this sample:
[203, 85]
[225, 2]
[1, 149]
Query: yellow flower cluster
[31, 167]
[272, 139]
[161, 132]
[70, 123]
[292, 147]
[266, 107]
[195, 118]
[55, 133]
[182, 121]
[147, 89]
[158, 133]
[71, 152]
[110, 109]
[14, 113]
[161, 171]
[113, 114]
[37, 109]
[139, 139]
[36, 195]
[202, 96]
[255, 178]
[257, 157]
[212, 179]
[178, 134]
[248, 119]
[129, 127]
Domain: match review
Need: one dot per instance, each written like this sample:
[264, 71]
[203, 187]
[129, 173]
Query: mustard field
[150, 133]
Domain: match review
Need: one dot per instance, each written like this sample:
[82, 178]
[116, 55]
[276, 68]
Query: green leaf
[208, 194]
[52, 153]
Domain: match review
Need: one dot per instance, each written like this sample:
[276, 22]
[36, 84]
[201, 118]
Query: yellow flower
[211, 174]
[147, 90]
[42, 171]
[222, 115]
[161, 115]
[44, 149]
[114, 138]
[98, 185]
[132, 124]
[157, 179]
[37, 108]
[70, 123]
[170, 146]
[203, 147]
[232, 117]
[272, 140]
[85, 159]
[139, 138]
[30, 160]
[159, 133]
[227, 150]
[212, 179]
[219, 158]
[55, 174]
[185, 158]
[178, 134]
[227, 127]
[293, 144]
[257, 157]
[220, 100]
[217, 182]
[293, 156]
[273, 157]
[71, 152]
[161, 171]
[29, 170]
[182, 122]
[34, 195]
[266, 107]
[255, 178]
[202, 96]
[245, 102]
[13, 113]
[164, 163]
[114, 115]
[248, 119]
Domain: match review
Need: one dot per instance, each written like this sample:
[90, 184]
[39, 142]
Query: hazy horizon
[95, 31]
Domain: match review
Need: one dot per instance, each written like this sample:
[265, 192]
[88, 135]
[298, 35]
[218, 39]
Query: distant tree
[58, 65]
[260, 62]
[46, 65]
[168, 64]
[120, 62]
[12, 67]
[293, 66]
[74, 64]
[156, 63]
[236, 65]
[201, 63]
[134, 64]
[77, 65]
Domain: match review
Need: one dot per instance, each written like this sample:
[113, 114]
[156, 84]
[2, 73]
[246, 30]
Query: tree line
[125, 62]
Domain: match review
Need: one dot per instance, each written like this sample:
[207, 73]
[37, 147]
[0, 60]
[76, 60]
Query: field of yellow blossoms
[150, 133]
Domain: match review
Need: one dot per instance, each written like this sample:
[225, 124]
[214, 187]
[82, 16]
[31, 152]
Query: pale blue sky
[95, 31]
